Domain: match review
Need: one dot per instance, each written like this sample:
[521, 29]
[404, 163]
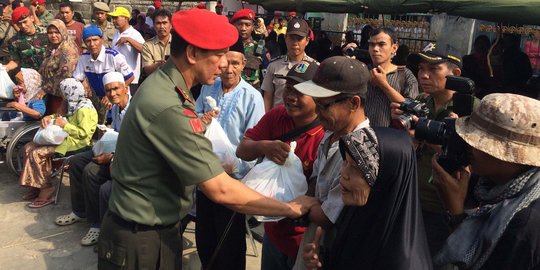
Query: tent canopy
[506, 11]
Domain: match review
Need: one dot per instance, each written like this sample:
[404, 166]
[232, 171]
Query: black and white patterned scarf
[363, 147]
[471, 244]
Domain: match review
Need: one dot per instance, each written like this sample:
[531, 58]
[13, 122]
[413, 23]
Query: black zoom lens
[431, 131]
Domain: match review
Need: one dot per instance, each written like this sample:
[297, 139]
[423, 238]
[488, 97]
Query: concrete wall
[456, 31]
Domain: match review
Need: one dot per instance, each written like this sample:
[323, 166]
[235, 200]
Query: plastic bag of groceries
[222, 146]
[50, 135]
[282, 182]
[107, 142]
[6, 84]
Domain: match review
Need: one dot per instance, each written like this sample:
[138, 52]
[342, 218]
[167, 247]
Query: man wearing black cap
[297, 38]
[162, 154]
[437, 62]
[339, 89]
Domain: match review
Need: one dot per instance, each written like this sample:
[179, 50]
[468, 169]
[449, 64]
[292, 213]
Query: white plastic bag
[222, 146]
[282, 182]
[6, 84]
[51, 135]
[107, 143]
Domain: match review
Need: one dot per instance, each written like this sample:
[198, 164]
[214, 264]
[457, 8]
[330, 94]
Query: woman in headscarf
[260, 29]
[80, 124]
[26, 93]
[59, 63]
[381, 225]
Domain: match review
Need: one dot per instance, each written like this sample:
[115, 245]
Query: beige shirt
[153, 50]
[108, 32]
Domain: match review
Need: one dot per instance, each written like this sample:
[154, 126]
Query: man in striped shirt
[389, 83]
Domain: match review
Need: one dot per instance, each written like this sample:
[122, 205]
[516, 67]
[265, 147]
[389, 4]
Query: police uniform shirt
[161, 153]
[280, 66]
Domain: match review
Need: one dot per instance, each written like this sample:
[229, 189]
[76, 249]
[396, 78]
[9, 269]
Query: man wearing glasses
[339, 90]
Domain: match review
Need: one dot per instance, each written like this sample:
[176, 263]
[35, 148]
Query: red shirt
[75, 30]
[273, 124]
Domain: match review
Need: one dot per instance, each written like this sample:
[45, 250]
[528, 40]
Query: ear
[456, 72]
[191, 54]
[395, 47]
[355, 103]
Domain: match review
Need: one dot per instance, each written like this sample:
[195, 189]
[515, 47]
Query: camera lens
[403, 122]
[433, 132]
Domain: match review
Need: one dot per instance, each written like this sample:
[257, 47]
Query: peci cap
[102, 6]
[113, 76]
[301, 72]
[337, 75]
[298, 27]
[39, 2]
[238, 46]
[19, 14]
[204, 29]
[440, 53]
[91, 31]
[505, 126]
[120, 12]
[243, 14]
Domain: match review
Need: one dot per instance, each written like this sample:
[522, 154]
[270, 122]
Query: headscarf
[260, 29]
[67, 40]
[32, 81]
[388, 232]
[74, 94]
[472, 243]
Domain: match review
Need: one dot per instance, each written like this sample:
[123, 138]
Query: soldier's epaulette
[277, 58]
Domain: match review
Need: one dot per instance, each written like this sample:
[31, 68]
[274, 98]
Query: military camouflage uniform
[251, 71]
[46, 17]
[29, 51]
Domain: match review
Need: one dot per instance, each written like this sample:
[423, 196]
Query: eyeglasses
[322, 107]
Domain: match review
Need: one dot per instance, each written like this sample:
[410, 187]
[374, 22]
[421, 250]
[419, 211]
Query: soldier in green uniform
[162, 154]
[41, 15]
[100, 20]
[243, 21]
[28, 47]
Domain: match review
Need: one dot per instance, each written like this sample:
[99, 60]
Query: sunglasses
[323, 107]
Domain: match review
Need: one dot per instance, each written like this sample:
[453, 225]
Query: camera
[410, 108]
[454, 149]
[357, 53]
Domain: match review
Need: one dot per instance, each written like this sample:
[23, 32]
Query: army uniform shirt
[251, 70]
[161, 152]
[108, 33]
[46, 17]
[29, 51]
[276, 84]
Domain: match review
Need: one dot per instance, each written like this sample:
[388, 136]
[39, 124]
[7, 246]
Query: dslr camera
[455, 151]
[410, 108]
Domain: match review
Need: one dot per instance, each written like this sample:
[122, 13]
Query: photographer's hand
[451, 189]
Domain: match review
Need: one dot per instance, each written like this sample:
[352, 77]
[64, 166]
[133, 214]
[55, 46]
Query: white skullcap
[113, 77]
[151, 7]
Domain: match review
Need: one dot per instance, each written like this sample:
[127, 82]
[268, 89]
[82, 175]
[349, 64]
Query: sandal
[91, 237]
[67, 219]
[39, 203]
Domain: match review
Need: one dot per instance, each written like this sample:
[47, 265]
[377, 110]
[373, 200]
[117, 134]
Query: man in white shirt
[128, 42]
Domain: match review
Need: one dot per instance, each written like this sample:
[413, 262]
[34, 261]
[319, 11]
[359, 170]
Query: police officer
[162, 154]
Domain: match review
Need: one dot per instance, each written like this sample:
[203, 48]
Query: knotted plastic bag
[50, 135]
[107, 142]
[6, 84]
[282, 182]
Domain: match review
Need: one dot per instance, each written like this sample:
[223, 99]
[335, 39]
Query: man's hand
[60, 121]
[14, 104]
[106, 102]
[102, 159]
[311, 251]
[45, 121]
[451, 189]
[395, 111]
[301, 205]
[40, 94]
[33, 9]
[378, 77]
[276, 151]
[123, 40]
[207, 116]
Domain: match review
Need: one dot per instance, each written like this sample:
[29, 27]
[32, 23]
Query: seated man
[88, 172]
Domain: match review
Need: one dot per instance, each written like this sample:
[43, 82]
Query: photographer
[502, 232]
[436, 63]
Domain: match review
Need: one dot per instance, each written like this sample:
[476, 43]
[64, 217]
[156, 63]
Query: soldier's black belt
[136, 227]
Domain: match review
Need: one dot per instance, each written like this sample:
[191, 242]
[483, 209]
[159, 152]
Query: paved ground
[29, 239]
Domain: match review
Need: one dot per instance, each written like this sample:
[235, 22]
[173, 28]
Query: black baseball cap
[301, 72]
[337, 75]
[298, 27]
[439, 53]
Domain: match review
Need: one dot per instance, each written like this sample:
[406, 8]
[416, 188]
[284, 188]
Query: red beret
[201, 6]
[204, 29]
[243, 14]
[19, 14]
[292, 13]
[157, 4]
[39, 2]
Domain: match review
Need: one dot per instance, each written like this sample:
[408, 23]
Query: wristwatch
[454, 220]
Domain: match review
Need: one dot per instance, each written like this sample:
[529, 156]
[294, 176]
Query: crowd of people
[379, 197]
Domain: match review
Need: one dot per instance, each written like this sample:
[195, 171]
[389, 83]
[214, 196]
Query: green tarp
[510, 11]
